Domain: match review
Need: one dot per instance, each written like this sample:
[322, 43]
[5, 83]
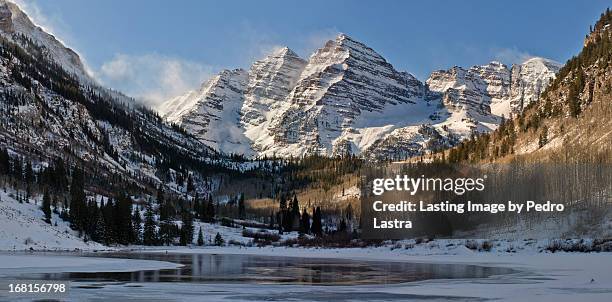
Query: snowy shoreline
[24, 263]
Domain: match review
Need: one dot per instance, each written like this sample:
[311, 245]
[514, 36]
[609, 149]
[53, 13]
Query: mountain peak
[542, 61]
[283, 52]
[496, 64]
[343, 36]
[13, 20]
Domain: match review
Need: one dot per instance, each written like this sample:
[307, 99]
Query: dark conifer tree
[342, 226]
[165, 223]
[77, 200]
[241, 207]
[149, 236]
[190, 185]
[29, 173]
[317, 227]
[186, 236]
[200, 238]
[295, 214]
[122, 214]
[91, 224]
[305, 222]
[46, 206]
[196, 206]
[210, 210]
[219, 240]
[137, 226]
[282, 203]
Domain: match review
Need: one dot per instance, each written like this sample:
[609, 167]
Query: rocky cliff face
[213, 112]
[493, 88]
[16, 25]
[342, 80]
[270, 81]
[529, 81]
[346, 98]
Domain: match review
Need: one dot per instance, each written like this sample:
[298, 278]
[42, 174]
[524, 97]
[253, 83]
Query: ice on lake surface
[224, 268]
[214, 276]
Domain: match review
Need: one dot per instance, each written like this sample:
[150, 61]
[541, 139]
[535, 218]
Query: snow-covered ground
[48, 263]
[22, 226]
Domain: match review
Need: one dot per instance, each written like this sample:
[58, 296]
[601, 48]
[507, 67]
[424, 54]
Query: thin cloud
[317, 39]
[152, 78]
[511, 55]
[257, 43]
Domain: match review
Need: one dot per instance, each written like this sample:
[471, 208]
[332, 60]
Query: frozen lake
[213, 276]
[228, 268]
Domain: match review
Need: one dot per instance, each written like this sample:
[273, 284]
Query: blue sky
[154, 49]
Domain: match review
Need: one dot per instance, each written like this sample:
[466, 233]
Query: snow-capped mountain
[216, 105]
[342, 81]
[16, 25]
[346, 98]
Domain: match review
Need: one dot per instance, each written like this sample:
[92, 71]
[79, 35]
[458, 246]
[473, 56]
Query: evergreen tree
[77, 200]
[295, 214]
[219, 240]
[29, 173]
[241, 207]
[149, 236]
[186, 237]
[287, 220]
[200, 237]
[317, 227]
[196, 206]
[210, 210]
[190, 185]
[91, 225]
[137, 226]
[342, 226]
[283, 203]
[98, 234]
[165, 223]
[305, 222]
[108, 222]
[46, 206]
[122, 214]
[5, 162]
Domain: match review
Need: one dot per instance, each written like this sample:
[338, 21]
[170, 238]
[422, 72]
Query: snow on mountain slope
[216, 105]
[16, 24]
[493, 88]
[270, 81]
[342, 80]
[529, 80]
[22, 227]
[346, 98]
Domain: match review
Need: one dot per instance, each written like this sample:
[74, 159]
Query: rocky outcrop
[493, 89]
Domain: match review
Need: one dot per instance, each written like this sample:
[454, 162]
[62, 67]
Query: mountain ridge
[346, 98]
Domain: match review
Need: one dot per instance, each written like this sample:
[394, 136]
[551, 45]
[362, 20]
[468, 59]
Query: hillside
[51, 111]
[571, 123]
